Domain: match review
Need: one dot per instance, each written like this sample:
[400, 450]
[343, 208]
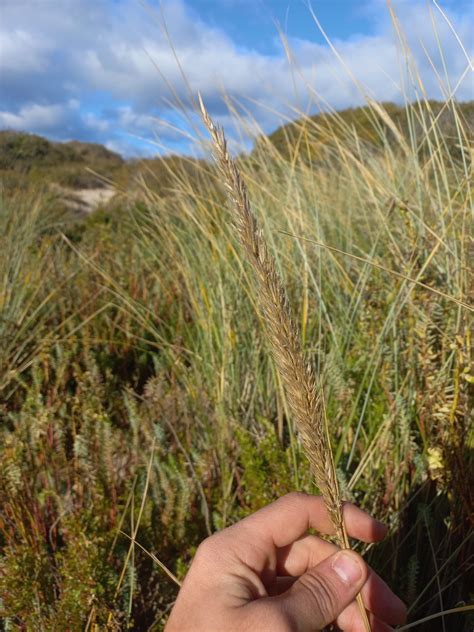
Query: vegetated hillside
[377, 125]
[20, 150]
[30, 159]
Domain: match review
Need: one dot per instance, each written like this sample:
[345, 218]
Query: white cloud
[123, 146]
[53, 52]
[22, 51]
[39, 117]
[93, 122]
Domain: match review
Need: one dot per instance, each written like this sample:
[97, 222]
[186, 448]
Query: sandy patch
[87, 200]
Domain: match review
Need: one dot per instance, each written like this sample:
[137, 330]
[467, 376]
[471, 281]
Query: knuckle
[295, 497]
[213, 547]
[319, 590]
[275, 619]
[206, 548]
[205, 545]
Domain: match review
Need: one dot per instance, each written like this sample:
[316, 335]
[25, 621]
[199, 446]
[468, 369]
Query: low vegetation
[140, 408]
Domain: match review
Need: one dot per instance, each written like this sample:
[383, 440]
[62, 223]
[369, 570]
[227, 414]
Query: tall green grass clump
[373, 246]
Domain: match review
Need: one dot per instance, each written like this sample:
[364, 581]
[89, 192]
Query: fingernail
[347, 567]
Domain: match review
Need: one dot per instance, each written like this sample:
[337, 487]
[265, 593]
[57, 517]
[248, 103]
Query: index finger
[290, 517]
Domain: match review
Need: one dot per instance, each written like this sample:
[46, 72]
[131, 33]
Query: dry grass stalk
[304, 393]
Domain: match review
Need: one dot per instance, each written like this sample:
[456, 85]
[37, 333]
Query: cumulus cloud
[107, 71]
[41, 117]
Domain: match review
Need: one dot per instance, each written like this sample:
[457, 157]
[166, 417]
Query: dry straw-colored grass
[304, 390]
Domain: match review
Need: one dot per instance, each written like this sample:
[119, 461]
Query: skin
[267, 574]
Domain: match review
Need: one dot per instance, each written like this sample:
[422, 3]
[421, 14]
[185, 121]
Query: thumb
[321, 594]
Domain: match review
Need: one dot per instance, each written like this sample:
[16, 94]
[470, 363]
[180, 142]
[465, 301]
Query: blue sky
[111, 71]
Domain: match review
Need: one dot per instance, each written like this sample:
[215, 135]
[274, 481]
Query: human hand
[267, 574]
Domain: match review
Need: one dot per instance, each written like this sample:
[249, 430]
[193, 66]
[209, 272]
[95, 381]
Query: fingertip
[376, 625]
[350, 567]
[384, 603]
[318, 596]
[399, 611]
[351, 621]
[380, 530]
[362, 526]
